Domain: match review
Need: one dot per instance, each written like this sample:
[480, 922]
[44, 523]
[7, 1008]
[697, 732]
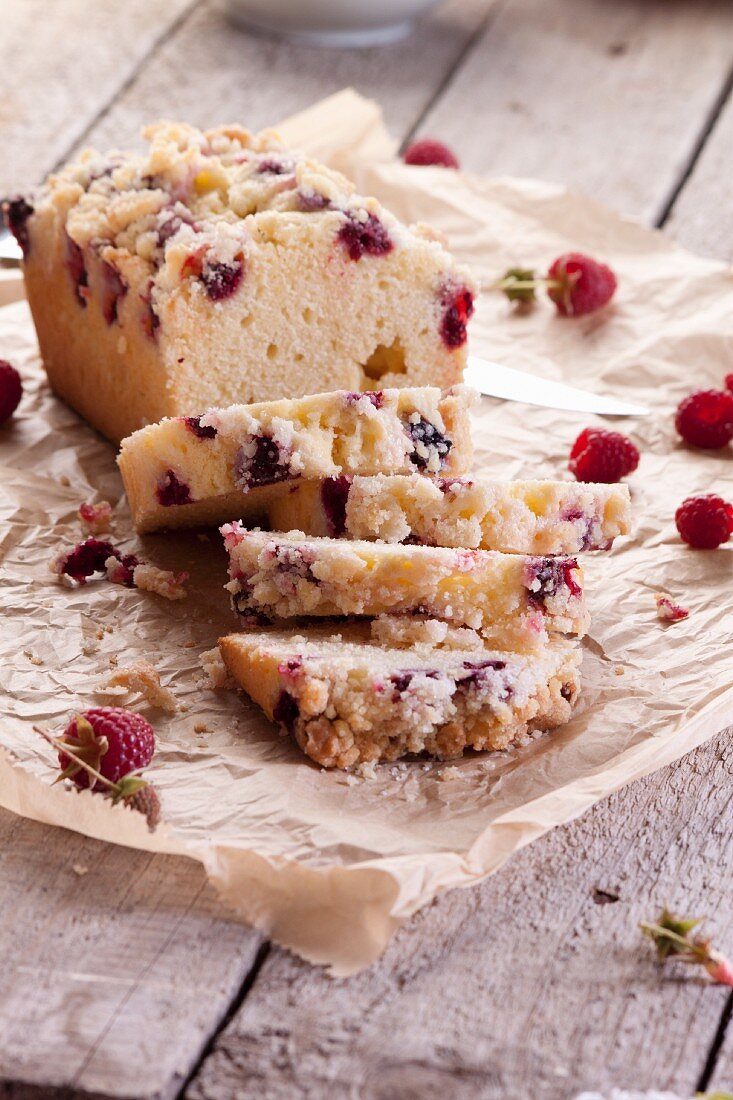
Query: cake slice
[346, 698]
[219, 268]
[513, 599]
[517, 517]
[224, 464]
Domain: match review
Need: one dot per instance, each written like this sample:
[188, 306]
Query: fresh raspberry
[111, 740]
[11, 390]
[729, 381]
[705, 521]
[428, 151]
[602, 456]
[705, 419]
[578, 284]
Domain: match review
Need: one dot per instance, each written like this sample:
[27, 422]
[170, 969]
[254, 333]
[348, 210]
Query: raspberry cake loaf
[513, 599]
[346, 698]
[230, 462]
[217, 268]
[517, 517]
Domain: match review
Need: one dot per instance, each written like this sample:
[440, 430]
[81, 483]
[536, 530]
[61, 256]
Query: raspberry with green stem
[131, 789]
[673, 939]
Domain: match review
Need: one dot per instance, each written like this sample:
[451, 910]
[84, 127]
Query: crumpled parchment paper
[327, 864]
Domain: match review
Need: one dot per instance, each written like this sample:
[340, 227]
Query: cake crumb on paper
[80, 870]
[200, 727]
[142, 677]
[162, 582]
[668, 610]
[366, 770]
[32, 657]
[446, 774]
[215, 670]
[96, 519]
[619, 670]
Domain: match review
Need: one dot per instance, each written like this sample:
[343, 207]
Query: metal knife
[508, 384]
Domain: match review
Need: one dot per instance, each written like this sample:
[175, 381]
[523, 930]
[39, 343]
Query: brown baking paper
[329, 864]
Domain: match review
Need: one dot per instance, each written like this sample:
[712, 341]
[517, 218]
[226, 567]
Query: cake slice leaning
[228, 463]
[513, 599]
[347, 699]
[516, 517]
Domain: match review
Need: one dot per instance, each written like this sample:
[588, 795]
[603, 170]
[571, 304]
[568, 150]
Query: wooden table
[121, 976]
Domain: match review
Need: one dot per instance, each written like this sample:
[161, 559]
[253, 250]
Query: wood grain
[525, 986]
[601, 96]
[702, 216]
[209, 73]
[117, 965]
[61, 65]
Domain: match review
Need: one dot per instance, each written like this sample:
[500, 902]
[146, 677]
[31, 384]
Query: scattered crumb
[142, 677]
[162, 582]
[96, 519]
[619, 670]
[669, 611]
[89, 648]
[113, 660]
[215, 670]
[32, 657]
[190, 644]
[446, 774]
[79, 869]
[64, 480]
[351, 780]
[200, 727]
[604, 897]
[366, 770]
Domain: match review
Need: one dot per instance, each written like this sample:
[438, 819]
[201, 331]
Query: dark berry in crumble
[16, 212]
[361, 238]
[113, 289]
[201, 431]
[547, 576]
[479, 672]
[286, 711]
[271, 166]
[457, 303]
[431, 446]
[77, 270]
[11, 390]
[171, 490]
[85, 559]
[313, 200]
[221, 280]
[334, 498]
[375, 396]
[150, 319]
[261, 461]
[402, 680]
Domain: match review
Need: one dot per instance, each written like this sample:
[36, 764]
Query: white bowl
[331, 22]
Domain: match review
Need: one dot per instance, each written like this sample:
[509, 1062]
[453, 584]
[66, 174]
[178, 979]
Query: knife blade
[494, 380]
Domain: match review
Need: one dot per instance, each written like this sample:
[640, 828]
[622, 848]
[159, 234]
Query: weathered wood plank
[210, 73]
[61, 65]
[600, 96]
[527, 985]
[117, 965]
[702, 216]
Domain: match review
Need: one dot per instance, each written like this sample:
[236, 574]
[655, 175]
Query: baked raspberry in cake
[514, 599]
[230, 462]
[218, 268]
[348, 699]
[517, 517]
